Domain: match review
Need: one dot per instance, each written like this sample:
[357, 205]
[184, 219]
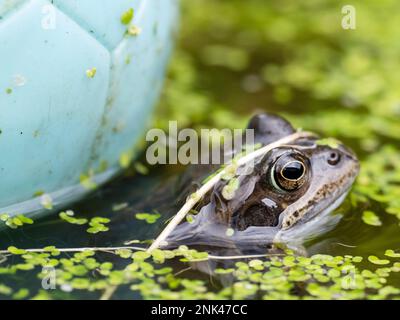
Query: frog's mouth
[316, 222]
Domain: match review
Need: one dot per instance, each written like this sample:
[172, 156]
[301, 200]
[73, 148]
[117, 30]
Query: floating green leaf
[376, 260]
[150, 218]
[392, 254]
[330, 142]
[68, 216]
[46, 201]
[90, 73]
[127, 16]
[369, 217]
[15, 250]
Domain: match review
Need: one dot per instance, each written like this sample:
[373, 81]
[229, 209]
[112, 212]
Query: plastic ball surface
[78, 80]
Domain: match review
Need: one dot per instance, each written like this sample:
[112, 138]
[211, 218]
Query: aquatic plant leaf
[376, 260]
[150, 218]
[369, 217]
[392, 254]
[127, 16]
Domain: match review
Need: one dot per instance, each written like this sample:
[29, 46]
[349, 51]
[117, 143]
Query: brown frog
[288, 197]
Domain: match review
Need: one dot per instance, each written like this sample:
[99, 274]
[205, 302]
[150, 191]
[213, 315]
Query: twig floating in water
[345, 245]
[71, 250]
[113, 250]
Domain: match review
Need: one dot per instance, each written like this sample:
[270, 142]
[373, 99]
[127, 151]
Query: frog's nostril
[334, 158]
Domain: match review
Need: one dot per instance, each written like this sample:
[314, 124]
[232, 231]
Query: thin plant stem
[72, 250]
[108, 293]
[112, 250]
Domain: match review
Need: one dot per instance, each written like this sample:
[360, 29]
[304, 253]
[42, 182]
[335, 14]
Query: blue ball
[78, 80]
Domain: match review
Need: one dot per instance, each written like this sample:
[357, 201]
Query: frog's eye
[289, 173]
[293, 171]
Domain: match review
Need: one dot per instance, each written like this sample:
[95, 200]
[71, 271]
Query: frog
[287, 198]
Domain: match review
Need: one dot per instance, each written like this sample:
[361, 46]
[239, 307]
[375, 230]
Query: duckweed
[98, 224]
[390, 253]
[46, 201]
[68, 216]
[125, 159]
[90, 73]
[149, 218]
[286, 58]
[127, 16]
[87, 182]
[376, 260]
[134, 30]
[228, 192]
[329, 277]
[15, 222]
[369, 217]
[330, 142]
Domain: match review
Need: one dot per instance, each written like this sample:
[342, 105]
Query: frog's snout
[349, 153]
[343, 158]
[351, 159]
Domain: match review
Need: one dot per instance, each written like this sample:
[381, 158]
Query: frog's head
[290, 189]
[290, 186]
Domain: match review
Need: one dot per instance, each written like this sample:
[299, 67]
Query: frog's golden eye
[289, 173]
[293, 171]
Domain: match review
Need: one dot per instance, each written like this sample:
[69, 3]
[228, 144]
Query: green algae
[150, 218]
[90, 73]
[127, 16]
[275, 277]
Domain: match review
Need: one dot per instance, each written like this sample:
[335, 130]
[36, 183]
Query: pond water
[130, 194]
[287, 57]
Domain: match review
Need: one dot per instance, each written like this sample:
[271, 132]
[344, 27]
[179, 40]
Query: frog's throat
[319, 224]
